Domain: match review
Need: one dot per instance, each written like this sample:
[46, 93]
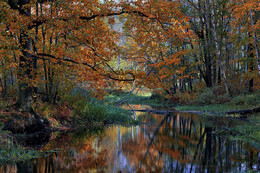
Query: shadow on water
[167, 143]
[35, 140]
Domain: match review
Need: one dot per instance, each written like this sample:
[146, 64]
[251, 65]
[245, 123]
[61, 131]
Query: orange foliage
[75, 41]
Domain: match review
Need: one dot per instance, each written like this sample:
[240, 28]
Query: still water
[165, 143]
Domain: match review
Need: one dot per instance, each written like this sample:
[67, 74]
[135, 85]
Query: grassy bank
[146, 98]
[213, 107]
[81, 109]
[211, 100]
[239, 102]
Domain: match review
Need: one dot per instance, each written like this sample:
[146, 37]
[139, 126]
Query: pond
[165, 143]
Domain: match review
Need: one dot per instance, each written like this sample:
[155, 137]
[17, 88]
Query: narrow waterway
[165, 143]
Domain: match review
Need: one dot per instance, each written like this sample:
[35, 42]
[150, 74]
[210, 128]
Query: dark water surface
[167, 143]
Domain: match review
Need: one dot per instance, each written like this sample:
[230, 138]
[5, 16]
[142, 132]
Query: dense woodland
[171, 47]
[119, 83]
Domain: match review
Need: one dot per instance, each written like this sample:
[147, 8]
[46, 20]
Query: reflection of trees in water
[80, 153]
[121, 163]
[184, 144]
[176, 143]
[33, 167]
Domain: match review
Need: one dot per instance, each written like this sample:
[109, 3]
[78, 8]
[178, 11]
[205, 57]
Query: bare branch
[92, 67]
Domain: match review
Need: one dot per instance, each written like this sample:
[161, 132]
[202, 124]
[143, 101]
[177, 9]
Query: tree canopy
[46, 46]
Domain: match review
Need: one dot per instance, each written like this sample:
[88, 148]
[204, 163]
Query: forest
[66, 64]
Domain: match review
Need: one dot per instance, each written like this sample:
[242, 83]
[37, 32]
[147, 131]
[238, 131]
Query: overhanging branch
[90, 66]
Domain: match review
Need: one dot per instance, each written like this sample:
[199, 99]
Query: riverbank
[73, 111]
[247, 130]
[20, 130]
[81, 111]
[103, 150]
[202, 101]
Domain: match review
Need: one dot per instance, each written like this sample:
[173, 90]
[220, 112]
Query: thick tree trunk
[207, 76]
[44, 61]
[35, 89]
[208, 59]
[24, 99]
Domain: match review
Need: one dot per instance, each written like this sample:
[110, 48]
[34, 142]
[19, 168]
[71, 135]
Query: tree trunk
[4, 83]
[209, 41]
[218, 51]
[1, 86]
[203, 38]
[251, 66]
[190, 83]
[255, 42]
[24, 99]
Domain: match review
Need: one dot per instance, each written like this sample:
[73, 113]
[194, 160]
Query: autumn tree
[54, 33]
[47, 45]
[59, 42]
[245, 27]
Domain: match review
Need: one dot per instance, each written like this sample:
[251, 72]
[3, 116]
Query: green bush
[252, 99]
[218, 90]
[87, 110]
[222, 99]
[3, 104]
[238, 100]
[188, 98]
[207, 97]
[248, 99]
[105, 114]
[95, 112]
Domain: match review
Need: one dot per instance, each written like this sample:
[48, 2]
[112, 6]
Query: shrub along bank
[75, 110]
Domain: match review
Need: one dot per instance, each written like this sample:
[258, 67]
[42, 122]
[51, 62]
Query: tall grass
[87, 110]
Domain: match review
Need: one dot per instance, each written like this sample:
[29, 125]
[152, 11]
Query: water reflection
[170, 143]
